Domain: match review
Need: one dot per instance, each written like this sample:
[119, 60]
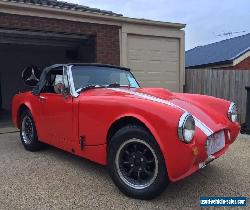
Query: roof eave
[210, 64]
[32, 10]
[241, 53]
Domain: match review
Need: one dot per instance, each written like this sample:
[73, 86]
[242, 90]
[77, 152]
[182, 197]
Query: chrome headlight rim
[233, 113]
[186, 117]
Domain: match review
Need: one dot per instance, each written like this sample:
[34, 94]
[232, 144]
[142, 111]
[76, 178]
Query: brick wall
[243, 65]
[107, 37]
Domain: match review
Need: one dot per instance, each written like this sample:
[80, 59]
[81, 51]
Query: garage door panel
[154, 61]
[168, 77]
[160, 73]
[171, 76]
[150, 83]
[171, 85]
[138, 43]
[161, 67]
[148, 55]
[154, 66]
[164, 54]
[136, 54]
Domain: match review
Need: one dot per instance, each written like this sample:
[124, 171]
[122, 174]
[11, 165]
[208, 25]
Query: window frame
[52, 72]
[73, 92]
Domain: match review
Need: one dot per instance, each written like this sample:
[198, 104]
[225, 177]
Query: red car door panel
[56, 120]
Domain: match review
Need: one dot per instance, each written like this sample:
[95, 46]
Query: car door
[56, 117]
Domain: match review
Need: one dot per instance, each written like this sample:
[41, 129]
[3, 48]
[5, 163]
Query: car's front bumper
[193, 157]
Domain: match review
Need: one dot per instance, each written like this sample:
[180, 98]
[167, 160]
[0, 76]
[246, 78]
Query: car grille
[215, 142]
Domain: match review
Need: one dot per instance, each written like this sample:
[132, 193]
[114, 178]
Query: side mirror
[31, 75]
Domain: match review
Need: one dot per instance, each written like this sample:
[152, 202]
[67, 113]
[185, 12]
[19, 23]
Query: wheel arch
[23, 107]
[133, 119]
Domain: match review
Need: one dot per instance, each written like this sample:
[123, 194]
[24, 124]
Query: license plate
[216, 142]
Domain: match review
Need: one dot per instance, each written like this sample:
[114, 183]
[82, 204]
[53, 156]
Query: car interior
[56, 82]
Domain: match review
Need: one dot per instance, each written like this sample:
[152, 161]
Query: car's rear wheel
[136, 164]
[28, 132]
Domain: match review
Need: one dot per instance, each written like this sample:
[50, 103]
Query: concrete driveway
[53, 179]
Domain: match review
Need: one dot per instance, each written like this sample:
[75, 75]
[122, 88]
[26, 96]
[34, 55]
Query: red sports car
[147, 137]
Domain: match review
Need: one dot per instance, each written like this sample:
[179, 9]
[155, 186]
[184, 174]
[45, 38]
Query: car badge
[31, 75]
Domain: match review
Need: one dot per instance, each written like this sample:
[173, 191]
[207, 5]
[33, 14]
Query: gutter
[241, 53]
[210, 64]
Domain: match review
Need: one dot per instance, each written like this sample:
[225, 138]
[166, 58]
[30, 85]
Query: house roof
[68, 11]
[223, 52]
[64, 5]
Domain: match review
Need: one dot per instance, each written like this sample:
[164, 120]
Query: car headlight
[233, 112]
[186, 128]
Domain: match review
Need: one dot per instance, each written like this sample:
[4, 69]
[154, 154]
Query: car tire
[28, 133]
[136, 164]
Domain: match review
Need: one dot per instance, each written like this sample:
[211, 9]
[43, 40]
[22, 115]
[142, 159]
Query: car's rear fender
[21, 102]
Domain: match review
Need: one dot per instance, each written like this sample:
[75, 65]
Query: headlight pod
[186, 127]
[233, 112]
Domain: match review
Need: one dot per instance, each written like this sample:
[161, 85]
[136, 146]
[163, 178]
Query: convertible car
[147, 137]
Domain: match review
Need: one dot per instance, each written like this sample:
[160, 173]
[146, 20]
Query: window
[56, 81]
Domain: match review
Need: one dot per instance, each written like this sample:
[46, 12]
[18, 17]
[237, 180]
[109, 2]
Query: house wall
[243, 65]
[107, 36]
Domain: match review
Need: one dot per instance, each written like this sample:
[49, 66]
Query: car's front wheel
[28, 133]
[136, 164]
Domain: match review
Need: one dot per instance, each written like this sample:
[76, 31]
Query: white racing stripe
[202, 126]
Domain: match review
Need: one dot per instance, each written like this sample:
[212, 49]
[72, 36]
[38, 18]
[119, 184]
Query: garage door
[155, 61]
[20, 49]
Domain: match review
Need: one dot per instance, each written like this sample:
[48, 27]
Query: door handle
[42, 98]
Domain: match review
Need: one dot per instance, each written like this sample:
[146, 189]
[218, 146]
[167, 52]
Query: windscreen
[84, 76]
